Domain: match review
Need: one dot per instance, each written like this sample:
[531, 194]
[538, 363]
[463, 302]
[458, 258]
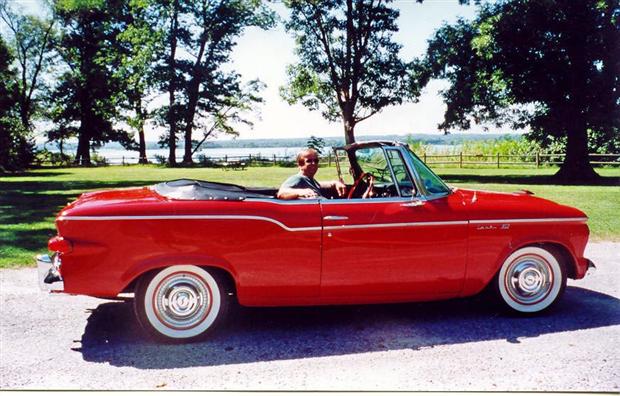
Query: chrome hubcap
[529, 279]
[182, 301]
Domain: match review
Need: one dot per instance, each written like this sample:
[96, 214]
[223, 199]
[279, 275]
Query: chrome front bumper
[49, 276]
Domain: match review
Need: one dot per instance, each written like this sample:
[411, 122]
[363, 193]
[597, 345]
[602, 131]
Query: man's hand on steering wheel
[363, 183]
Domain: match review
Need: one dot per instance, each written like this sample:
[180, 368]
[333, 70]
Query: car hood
[489, 205]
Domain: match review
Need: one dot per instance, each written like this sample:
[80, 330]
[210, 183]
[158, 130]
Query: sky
[265, 55]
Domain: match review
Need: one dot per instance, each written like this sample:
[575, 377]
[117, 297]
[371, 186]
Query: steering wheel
[362, 188]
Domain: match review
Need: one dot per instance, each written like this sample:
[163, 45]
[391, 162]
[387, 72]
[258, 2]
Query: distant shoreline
[450, 139]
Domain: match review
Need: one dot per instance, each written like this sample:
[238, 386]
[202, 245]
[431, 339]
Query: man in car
[303, 185]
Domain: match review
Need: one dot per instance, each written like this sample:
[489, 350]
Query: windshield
[432, 182]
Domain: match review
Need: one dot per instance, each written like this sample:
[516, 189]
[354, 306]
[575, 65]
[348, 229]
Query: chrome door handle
[335, 218]
[413, 203]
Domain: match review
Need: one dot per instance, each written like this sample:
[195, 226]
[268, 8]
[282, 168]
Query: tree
[209, 86]
[316, 143]
[234, 108]
[552, 65]
[349, 66]
[86, 99]
[32, 40]
[16, 149]
[199, 38]
[138, 45]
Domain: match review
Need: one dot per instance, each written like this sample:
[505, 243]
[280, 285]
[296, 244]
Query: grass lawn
[30, 202]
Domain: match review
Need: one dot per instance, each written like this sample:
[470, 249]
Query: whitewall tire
[531, 280]
[180, 303]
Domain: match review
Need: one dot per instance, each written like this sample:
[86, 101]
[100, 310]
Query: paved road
[72, 342]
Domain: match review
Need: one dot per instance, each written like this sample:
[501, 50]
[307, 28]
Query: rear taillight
[59, 244]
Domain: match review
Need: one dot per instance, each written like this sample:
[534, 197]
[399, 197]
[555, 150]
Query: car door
[393, 248]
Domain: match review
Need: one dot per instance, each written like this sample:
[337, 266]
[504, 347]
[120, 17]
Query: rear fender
[159, 262]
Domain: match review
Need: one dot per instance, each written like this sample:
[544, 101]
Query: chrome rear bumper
[49, 277]
[591, 268]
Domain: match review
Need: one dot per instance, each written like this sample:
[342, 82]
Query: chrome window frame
[421, 193]
[408, 155]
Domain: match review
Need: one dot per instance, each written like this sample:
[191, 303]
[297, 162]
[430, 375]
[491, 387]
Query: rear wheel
[181, 303]
[531, 280]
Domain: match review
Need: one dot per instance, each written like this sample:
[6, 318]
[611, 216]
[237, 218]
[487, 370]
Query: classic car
[186, 249]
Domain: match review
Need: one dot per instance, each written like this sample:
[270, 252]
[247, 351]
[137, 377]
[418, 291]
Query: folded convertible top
[205, 190]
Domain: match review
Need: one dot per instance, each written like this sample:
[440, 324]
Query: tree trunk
[187, 156]
[172, 142]
[576, 168]
[140, 113]
[82, 156]
[349, 128]
[349, 137]
[142, 143]
[193, 94]
[189, 120]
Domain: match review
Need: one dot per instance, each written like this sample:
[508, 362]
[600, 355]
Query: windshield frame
[408, 156]
[418, 178]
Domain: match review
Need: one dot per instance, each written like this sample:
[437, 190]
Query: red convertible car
[187, 248]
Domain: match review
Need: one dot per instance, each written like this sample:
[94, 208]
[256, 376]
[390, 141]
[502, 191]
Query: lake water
[118, 156]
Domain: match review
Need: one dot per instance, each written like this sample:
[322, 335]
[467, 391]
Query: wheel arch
[133, 274]
[483, 279]
[559, 249]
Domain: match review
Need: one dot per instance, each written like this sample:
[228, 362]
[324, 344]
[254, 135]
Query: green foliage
[30, 202]
[45, 157]
[138, 45]
[418, 146]
[316, 143]
[348, 65]
[507, 146]
[31, 39]
[550, 65]
[86, 100]
[16, 148]
[203, 94]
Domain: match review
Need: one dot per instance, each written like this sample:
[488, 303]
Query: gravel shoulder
[75, 342]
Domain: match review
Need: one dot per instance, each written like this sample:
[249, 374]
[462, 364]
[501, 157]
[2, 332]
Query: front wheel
[181, 303]
[530, 280]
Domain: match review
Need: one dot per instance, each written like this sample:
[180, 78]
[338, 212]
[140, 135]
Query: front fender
[488, 250]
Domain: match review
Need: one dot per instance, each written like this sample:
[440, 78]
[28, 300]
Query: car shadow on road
[267, 334]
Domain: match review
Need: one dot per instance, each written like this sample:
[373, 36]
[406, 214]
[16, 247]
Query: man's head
[308, 162]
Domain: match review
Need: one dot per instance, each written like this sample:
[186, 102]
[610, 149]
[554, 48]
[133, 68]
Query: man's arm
[296, 193]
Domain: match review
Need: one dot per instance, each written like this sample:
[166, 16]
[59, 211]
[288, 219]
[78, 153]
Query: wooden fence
[498, 160]
[460, 160]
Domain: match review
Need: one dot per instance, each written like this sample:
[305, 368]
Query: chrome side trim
[550, 220]
[386, 225]
[364, 201]
[191, 217]
[338, 227]
[277, 201]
